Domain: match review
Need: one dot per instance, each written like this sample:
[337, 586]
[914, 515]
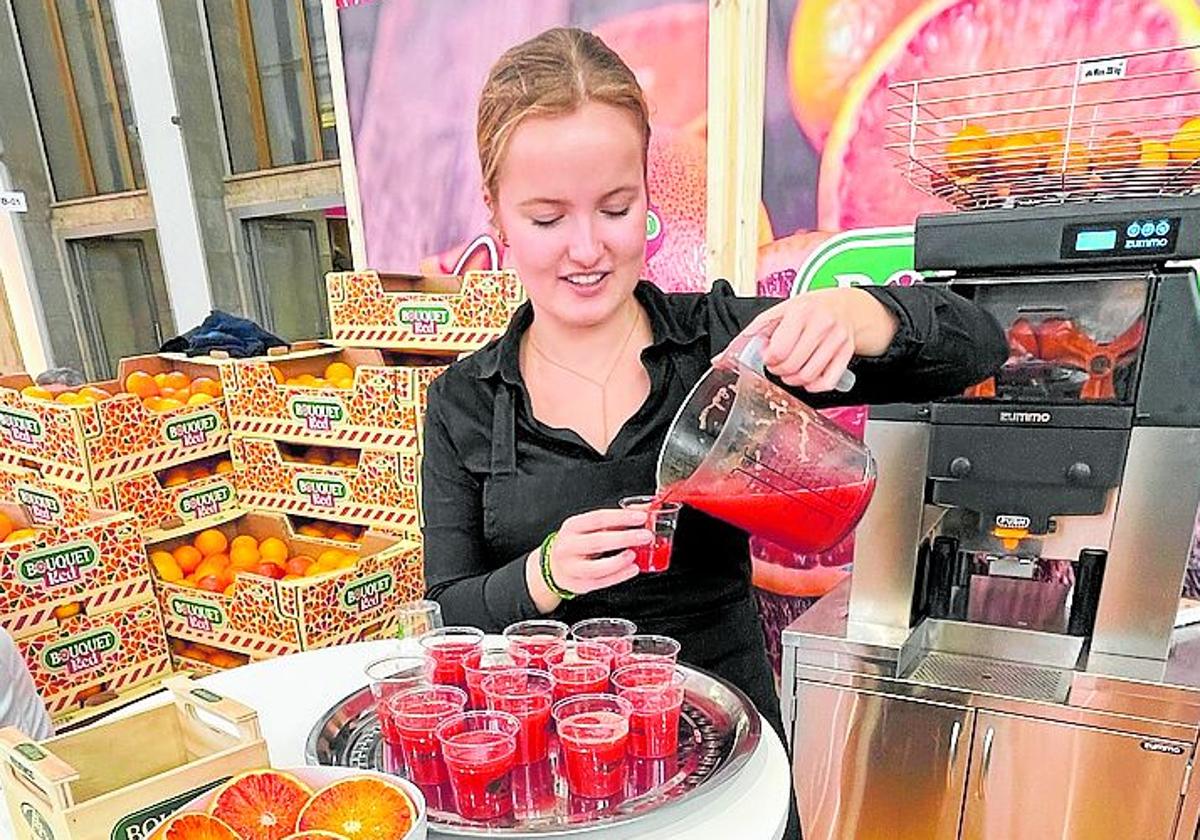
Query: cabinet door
[872, 767]
[1039, 780]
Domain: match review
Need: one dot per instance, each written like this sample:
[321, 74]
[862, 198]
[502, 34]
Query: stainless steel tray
[718, 732]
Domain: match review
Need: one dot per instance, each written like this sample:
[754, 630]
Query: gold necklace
[602, 384]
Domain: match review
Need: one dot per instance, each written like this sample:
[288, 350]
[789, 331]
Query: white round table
[752, 806]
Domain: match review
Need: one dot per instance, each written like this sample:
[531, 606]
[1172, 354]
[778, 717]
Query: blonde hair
[552, 74]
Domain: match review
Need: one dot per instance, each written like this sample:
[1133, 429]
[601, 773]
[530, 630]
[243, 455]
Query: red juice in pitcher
[805, 521]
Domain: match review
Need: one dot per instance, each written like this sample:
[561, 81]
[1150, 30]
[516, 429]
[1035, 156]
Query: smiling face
[571, 200]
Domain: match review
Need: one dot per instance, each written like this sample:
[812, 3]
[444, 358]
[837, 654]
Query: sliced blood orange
[859, 184]
[359, 808]
[261, 804]
[194, 827]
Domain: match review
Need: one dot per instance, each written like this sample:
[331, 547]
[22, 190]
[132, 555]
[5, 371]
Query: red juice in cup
[417, 714]
[655, 691]
[663, 516]
[536, 638]
[647, 647]
[448, 647]
[582, 652]
[390, 676]
[527, 695]
[479, 749]
[479, 663]
[593, 732]
[578, 677]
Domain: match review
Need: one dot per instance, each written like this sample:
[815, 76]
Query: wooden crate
[412, 312]
[84, 445]
[119, 779]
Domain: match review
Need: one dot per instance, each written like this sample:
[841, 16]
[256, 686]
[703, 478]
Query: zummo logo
[1038, 417]
[424, 320]
[318, 414]
[21, 426]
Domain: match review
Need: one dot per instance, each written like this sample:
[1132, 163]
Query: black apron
[704, 600]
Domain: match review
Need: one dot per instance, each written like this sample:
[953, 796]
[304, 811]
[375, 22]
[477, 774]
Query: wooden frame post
[737, 53]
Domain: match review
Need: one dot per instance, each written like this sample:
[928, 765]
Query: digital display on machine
[1096, 240]
[1136, 236]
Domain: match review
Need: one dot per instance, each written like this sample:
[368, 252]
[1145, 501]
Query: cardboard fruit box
[81, 444]
[93, 653]
[119, 779]
[58, 572]
[366, 487]
[414, 312]
[287, 397]
[265, 617]
[178, 500]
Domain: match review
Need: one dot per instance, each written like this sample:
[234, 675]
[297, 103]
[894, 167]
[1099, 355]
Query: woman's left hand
[813, 336]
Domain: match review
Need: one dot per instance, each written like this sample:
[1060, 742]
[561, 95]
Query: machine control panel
[1148, 234]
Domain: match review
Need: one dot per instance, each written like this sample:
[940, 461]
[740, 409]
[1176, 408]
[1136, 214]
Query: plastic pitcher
[745, 451]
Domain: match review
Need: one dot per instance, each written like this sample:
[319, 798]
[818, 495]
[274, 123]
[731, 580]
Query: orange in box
[263, 617]
[94, 440]
[288, 397]
[366, 487]
[97, 653]
[51, 573]
[177, 500]
[412, 312]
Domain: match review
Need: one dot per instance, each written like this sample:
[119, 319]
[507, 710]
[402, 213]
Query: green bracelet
[547, 575]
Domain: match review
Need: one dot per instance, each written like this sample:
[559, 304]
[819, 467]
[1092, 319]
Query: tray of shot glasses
[590, 776]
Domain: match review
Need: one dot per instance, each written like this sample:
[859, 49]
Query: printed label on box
[83, 653]
[193, 430]
[38, 827]
[21, 426]
[200, 616]
[321, 491]
[141, 824]
[61, 565]
[320, 414]
[424, 319]
[45, 507]
[201, 504]
[368, 594]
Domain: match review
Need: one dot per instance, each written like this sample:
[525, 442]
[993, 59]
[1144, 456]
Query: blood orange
[359, 808]
[859, 186]
[261, 804]
[194, 827]
[829, 42]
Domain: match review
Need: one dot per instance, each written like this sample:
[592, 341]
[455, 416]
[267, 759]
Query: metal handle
[955, 732]
[989, 738]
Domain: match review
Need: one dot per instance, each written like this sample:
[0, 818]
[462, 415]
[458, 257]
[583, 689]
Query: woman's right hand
[593, 550]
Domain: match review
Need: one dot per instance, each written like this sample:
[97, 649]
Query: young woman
[544, 430]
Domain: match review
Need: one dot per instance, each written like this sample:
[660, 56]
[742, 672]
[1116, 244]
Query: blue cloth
[241, 338]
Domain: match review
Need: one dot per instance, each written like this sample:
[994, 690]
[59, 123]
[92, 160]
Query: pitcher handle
[750, 356]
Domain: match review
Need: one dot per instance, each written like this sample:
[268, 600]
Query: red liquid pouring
[805, 521]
